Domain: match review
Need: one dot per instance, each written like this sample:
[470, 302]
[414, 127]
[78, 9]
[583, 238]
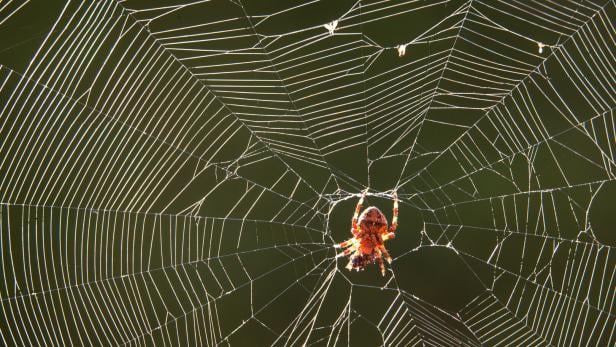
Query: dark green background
[427, 274]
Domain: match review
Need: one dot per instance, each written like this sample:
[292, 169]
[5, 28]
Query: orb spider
[369, 234]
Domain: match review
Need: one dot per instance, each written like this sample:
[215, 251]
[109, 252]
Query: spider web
[178, 173]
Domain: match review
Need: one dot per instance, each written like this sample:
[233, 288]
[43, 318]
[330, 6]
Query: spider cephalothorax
[369, 234]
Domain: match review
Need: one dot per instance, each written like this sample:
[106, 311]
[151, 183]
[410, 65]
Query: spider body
[372, 219]
[370, 230]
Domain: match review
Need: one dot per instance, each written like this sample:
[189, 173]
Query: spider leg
[388, 236]
[355, 227]
[345, 244]
[379, 259]
[394, 220]
[349, 266]
[385, 253]
[347, 251]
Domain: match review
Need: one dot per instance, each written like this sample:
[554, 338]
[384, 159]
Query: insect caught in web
[331, 26]
[370, 231]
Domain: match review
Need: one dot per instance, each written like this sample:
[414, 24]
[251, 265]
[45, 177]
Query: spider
[369, 234]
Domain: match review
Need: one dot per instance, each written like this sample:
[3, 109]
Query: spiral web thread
[170, 180]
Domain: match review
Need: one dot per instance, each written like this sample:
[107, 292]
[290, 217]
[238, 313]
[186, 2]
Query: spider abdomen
[360, 261]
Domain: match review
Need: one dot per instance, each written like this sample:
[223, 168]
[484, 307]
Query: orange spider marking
[370, 230]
